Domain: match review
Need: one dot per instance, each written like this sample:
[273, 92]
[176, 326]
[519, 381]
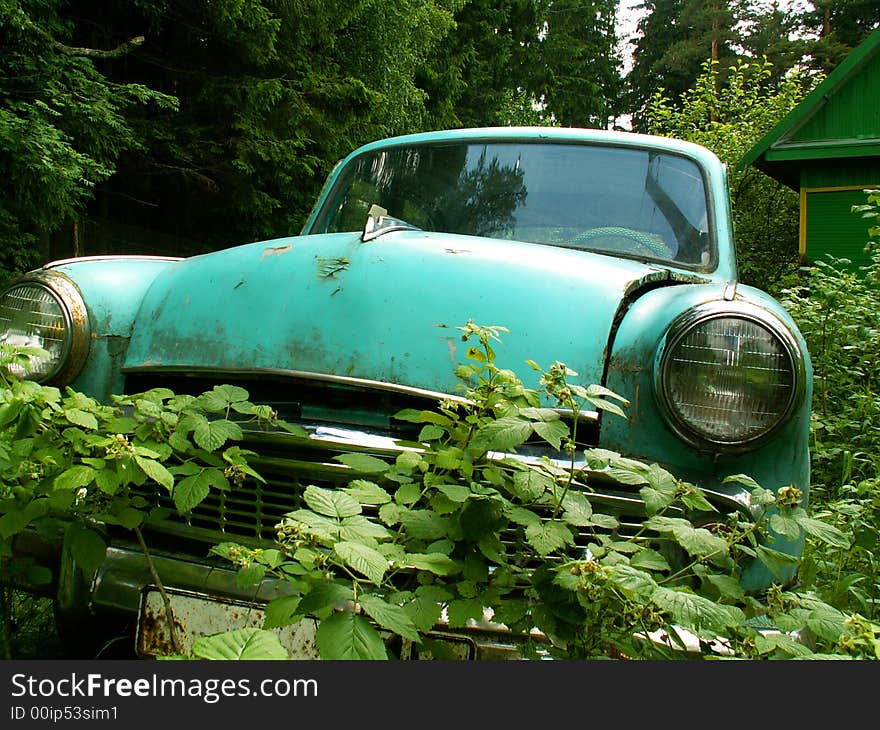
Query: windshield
[619, 200]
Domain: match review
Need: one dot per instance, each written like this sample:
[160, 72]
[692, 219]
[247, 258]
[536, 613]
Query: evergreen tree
[676, 37]
[63, 124]
[775, 33]
[839, 26]
[575, 62]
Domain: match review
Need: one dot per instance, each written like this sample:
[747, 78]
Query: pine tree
[676, 38]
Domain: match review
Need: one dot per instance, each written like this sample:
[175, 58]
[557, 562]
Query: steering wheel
[625, 240]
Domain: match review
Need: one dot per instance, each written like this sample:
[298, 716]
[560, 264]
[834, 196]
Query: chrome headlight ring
[45, 309]
[728, 375]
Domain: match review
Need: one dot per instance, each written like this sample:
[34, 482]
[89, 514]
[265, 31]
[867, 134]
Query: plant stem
[169, 613]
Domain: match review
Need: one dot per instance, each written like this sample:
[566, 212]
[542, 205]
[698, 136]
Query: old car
[610, 251]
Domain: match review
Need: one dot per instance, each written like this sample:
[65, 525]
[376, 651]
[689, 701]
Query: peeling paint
[634, 406]
[450, 344]
[275, 251]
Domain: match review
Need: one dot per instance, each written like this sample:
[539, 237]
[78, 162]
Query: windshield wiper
[379, 223]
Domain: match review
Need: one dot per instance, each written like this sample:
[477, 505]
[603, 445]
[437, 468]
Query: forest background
[180, 127]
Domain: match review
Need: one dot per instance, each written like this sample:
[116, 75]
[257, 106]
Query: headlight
[729, 374]
[46, 310]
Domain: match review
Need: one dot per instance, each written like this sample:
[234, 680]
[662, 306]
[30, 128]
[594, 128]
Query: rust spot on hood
[330, 267]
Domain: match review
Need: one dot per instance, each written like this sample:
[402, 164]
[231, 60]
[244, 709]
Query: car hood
[386, 310]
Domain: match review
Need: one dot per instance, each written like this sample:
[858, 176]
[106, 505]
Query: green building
[828, 149]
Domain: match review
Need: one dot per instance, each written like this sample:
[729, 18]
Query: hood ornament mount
[379, 222]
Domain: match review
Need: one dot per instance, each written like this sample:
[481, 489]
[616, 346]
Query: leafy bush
[836, 306]
[457, 530]
[462, 531]
[68, 463]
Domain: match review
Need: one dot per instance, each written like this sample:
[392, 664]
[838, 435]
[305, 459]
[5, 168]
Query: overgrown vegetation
[836, 308]
[69, 465]
[452, 528]
[458, 529]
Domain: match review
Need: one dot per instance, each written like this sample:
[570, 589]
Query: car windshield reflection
[617, 200]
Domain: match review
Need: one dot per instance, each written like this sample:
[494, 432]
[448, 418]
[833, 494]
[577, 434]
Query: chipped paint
[275, 251]
[451, 346]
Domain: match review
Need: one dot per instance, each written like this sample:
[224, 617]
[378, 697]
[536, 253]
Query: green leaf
[435, 563]
[281, 612]
[552, 432]
[530, 484]
[775, 561]
[360, 529]
[696, 612]
[626, 475]
[323, 597]
[743, 479]
[81, 418]
[695, 499]
[635, 584]
[211, 435]
[86, 546]
[156, 471]
[414, 416]
[240, 644]
[389, 616]
[189, 492]
[578, 510]
[408, 461]
[221, 397]
[107, 481]
[431, 432]
[549, 536]
[824, 532]
[697, 541]
[75, 477]
[331, 502]
[502, 434]
[521, 515]
[455, 492]
[408, 494]
[250, 575]
[363, 559]
[449, 458]
[13, 522]
[461, 610]
[785, 526]
[347, 635]
[649, 560]
[424, 612]
[424, 524]
[827, 622]
[130, 518]
[367, 492]
[363, 463]
[727, 586]
[773, 642]
[660, 492]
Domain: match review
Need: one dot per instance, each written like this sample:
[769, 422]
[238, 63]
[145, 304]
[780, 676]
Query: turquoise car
[611, 252]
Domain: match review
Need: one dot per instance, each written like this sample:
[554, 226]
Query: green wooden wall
[831, 226]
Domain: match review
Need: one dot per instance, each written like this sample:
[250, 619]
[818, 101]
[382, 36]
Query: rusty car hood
[385, 310]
